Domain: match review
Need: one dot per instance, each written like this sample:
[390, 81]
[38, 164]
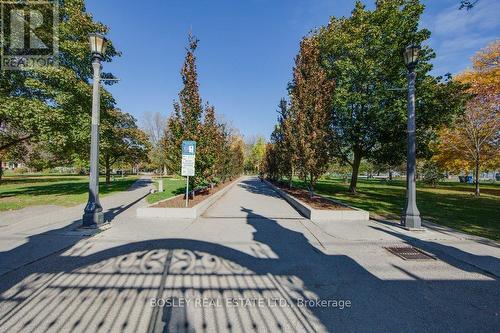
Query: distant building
[9, 165]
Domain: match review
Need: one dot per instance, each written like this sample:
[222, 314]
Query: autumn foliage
[219, 150]
[472, 143]
[301, 139]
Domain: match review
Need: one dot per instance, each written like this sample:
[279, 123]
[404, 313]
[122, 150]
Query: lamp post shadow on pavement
[93, 216]
[411, 216]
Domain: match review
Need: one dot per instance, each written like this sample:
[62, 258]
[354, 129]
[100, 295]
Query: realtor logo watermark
[29, 34]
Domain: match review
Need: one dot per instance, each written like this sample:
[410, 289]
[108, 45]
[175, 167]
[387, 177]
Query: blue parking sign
[188, 147]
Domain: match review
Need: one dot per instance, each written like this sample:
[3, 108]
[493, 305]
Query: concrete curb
[321, 215]
[183, 213]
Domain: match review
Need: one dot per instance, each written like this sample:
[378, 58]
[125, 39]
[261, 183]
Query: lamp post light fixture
[411, 216]
[93, 216]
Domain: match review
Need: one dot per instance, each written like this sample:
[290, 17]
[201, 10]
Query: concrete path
[32, 233]
[251, 263]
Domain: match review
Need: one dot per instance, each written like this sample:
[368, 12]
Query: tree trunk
[390, 174]
[355, 171]
[1, 170]
[108, 169]
[311, 185]
[476, 175]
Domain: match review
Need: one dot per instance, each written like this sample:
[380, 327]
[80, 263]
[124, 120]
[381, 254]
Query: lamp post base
[414, 229]
[92, 219]
[412, 222]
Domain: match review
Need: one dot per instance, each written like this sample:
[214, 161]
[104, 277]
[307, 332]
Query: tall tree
[237, 146]
[121, 141]
[231, 155]
[363, 53]
[256, 155]
[281, 157]
[52, 104]
[311, 97]
[191, 121]
[271, 162]
[186, 121]
[474, 141]
[210, 147]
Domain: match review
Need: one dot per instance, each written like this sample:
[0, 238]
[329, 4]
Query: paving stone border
[323, 215]
[183, 213]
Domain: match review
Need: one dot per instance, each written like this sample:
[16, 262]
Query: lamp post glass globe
[411, 55]
[98, 44]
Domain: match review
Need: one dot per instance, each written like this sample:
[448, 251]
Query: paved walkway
[252, 263]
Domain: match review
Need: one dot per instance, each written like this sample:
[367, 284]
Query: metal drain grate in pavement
[409, 253]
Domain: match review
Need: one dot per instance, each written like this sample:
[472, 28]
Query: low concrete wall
[323, 215]
[183, 213]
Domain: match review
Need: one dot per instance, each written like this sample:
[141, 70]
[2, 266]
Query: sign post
[188, 160]
[187, 191]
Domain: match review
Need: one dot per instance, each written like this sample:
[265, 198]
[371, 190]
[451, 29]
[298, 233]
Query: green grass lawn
[18, 192]
[171, 187]
[450, 204]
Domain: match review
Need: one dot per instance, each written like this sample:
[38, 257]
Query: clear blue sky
[247, 48]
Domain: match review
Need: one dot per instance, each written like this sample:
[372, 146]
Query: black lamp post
[93, 215]
[411, 216]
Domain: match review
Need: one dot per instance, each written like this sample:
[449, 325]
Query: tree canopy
[191, 120]
[473, 142]
[121, 141]
[362, 57]
[52, 104]
[311, 98]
